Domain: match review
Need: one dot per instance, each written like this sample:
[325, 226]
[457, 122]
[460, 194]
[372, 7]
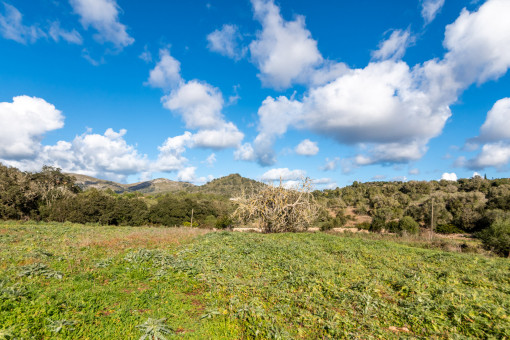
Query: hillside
[229, 186]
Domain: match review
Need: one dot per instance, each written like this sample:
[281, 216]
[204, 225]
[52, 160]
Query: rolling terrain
[229, 186]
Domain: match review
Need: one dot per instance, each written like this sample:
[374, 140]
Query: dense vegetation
[53, 196]
[477, 206]
[64, 281]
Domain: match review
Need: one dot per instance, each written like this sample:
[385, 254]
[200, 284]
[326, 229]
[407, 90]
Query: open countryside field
[68, 281]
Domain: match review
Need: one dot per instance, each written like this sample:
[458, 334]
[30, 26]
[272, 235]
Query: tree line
[50, 195]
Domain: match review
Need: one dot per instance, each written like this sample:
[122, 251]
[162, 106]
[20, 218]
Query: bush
[224, 222]
[325, 226]
[278, 209]
[363, 225]
[408, 225]
[377, 225]
[393, 227]
[448, 229]
[497, 237]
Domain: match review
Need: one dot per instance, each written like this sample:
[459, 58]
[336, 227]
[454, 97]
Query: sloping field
[64, 281]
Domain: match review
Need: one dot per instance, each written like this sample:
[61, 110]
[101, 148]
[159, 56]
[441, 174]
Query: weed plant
[323, 286]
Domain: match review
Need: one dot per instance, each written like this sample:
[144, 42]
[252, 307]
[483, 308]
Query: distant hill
[231, 185]
[155, 186]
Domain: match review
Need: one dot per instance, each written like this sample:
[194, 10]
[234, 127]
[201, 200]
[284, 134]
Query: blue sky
[339, 91]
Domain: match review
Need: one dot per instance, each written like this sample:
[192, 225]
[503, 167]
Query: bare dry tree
[278, 209]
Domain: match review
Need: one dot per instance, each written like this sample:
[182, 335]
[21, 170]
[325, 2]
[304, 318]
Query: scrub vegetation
[66, 281]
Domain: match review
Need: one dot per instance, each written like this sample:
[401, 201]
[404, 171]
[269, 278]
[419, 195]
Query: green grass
[122, 282]
[113, 280]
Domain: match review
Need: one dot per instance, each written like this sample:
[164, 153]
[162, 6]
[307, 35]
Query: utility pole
[432, 218]
[191, 218]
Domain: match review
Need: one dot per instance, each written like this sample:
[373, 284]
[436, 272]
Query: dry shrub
[278, 209]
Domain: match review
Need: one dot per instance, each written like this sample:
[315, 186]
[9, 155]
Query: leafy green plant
[408, 225]
[39, 269]
[224, 222]
[393, 227]
[377, 225]
[154, 329]
[6, 333]
[448, 229]
[56, 326]
[497, 237]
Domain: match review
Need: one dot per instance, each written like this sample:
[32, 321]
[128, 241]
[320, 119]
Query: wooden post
[191, 218]
[432, 218]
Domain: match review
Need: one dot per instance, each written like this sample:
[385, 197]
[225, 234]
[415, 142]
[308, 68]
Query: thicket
[50, 195]
[469, 205]
[278, 209]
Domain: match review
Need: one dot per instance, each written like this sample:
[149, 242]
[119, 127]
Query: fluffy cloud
[11, 27]
[225, 136]
[105, 156]
[496, 134]
[170, 156]
[199, 104]
[283, 174]
[497, 124]
[430, 8]
[245, 152]
[57, 33]
[275, 116]
[187, 174]
[284, 50]
[167, 72]
[307, 148]
[449, 176]
[388, 108]
[24, 123]
[226, 41]
[414, 171]
[103, 16]
[477, 43]
[492, 155]
[395, 46]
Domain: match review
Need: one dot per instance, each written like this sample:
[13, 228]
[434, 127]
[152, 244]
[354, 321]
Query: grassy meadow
[65, 281]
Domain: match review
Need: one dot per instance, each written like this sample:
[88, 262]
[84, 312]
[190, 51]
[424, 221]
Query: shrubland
[468, 206]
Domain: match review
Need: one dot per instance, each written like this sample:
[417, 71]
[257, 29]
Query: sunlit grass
[64, 281]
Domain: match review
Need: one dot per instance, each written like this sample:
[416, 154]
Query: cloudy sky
[339, 91]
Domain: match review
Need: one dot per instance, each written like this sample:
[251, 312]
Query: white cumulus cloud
[449, 176]
[497, 125]
[307, 148]
[389, 109]
[103, 16]
[24, 122]
[167, 72]
[283, 174]
[284, 50]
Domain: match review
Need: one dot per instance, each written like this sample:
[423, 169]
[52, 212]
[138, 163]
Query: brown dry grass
[145, 237]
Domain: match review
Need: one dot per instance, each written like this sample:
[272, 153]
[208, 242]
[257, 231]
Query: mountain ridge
[230, 185]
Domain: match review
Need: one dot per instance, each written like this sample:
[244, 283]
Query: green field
[64, 281]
